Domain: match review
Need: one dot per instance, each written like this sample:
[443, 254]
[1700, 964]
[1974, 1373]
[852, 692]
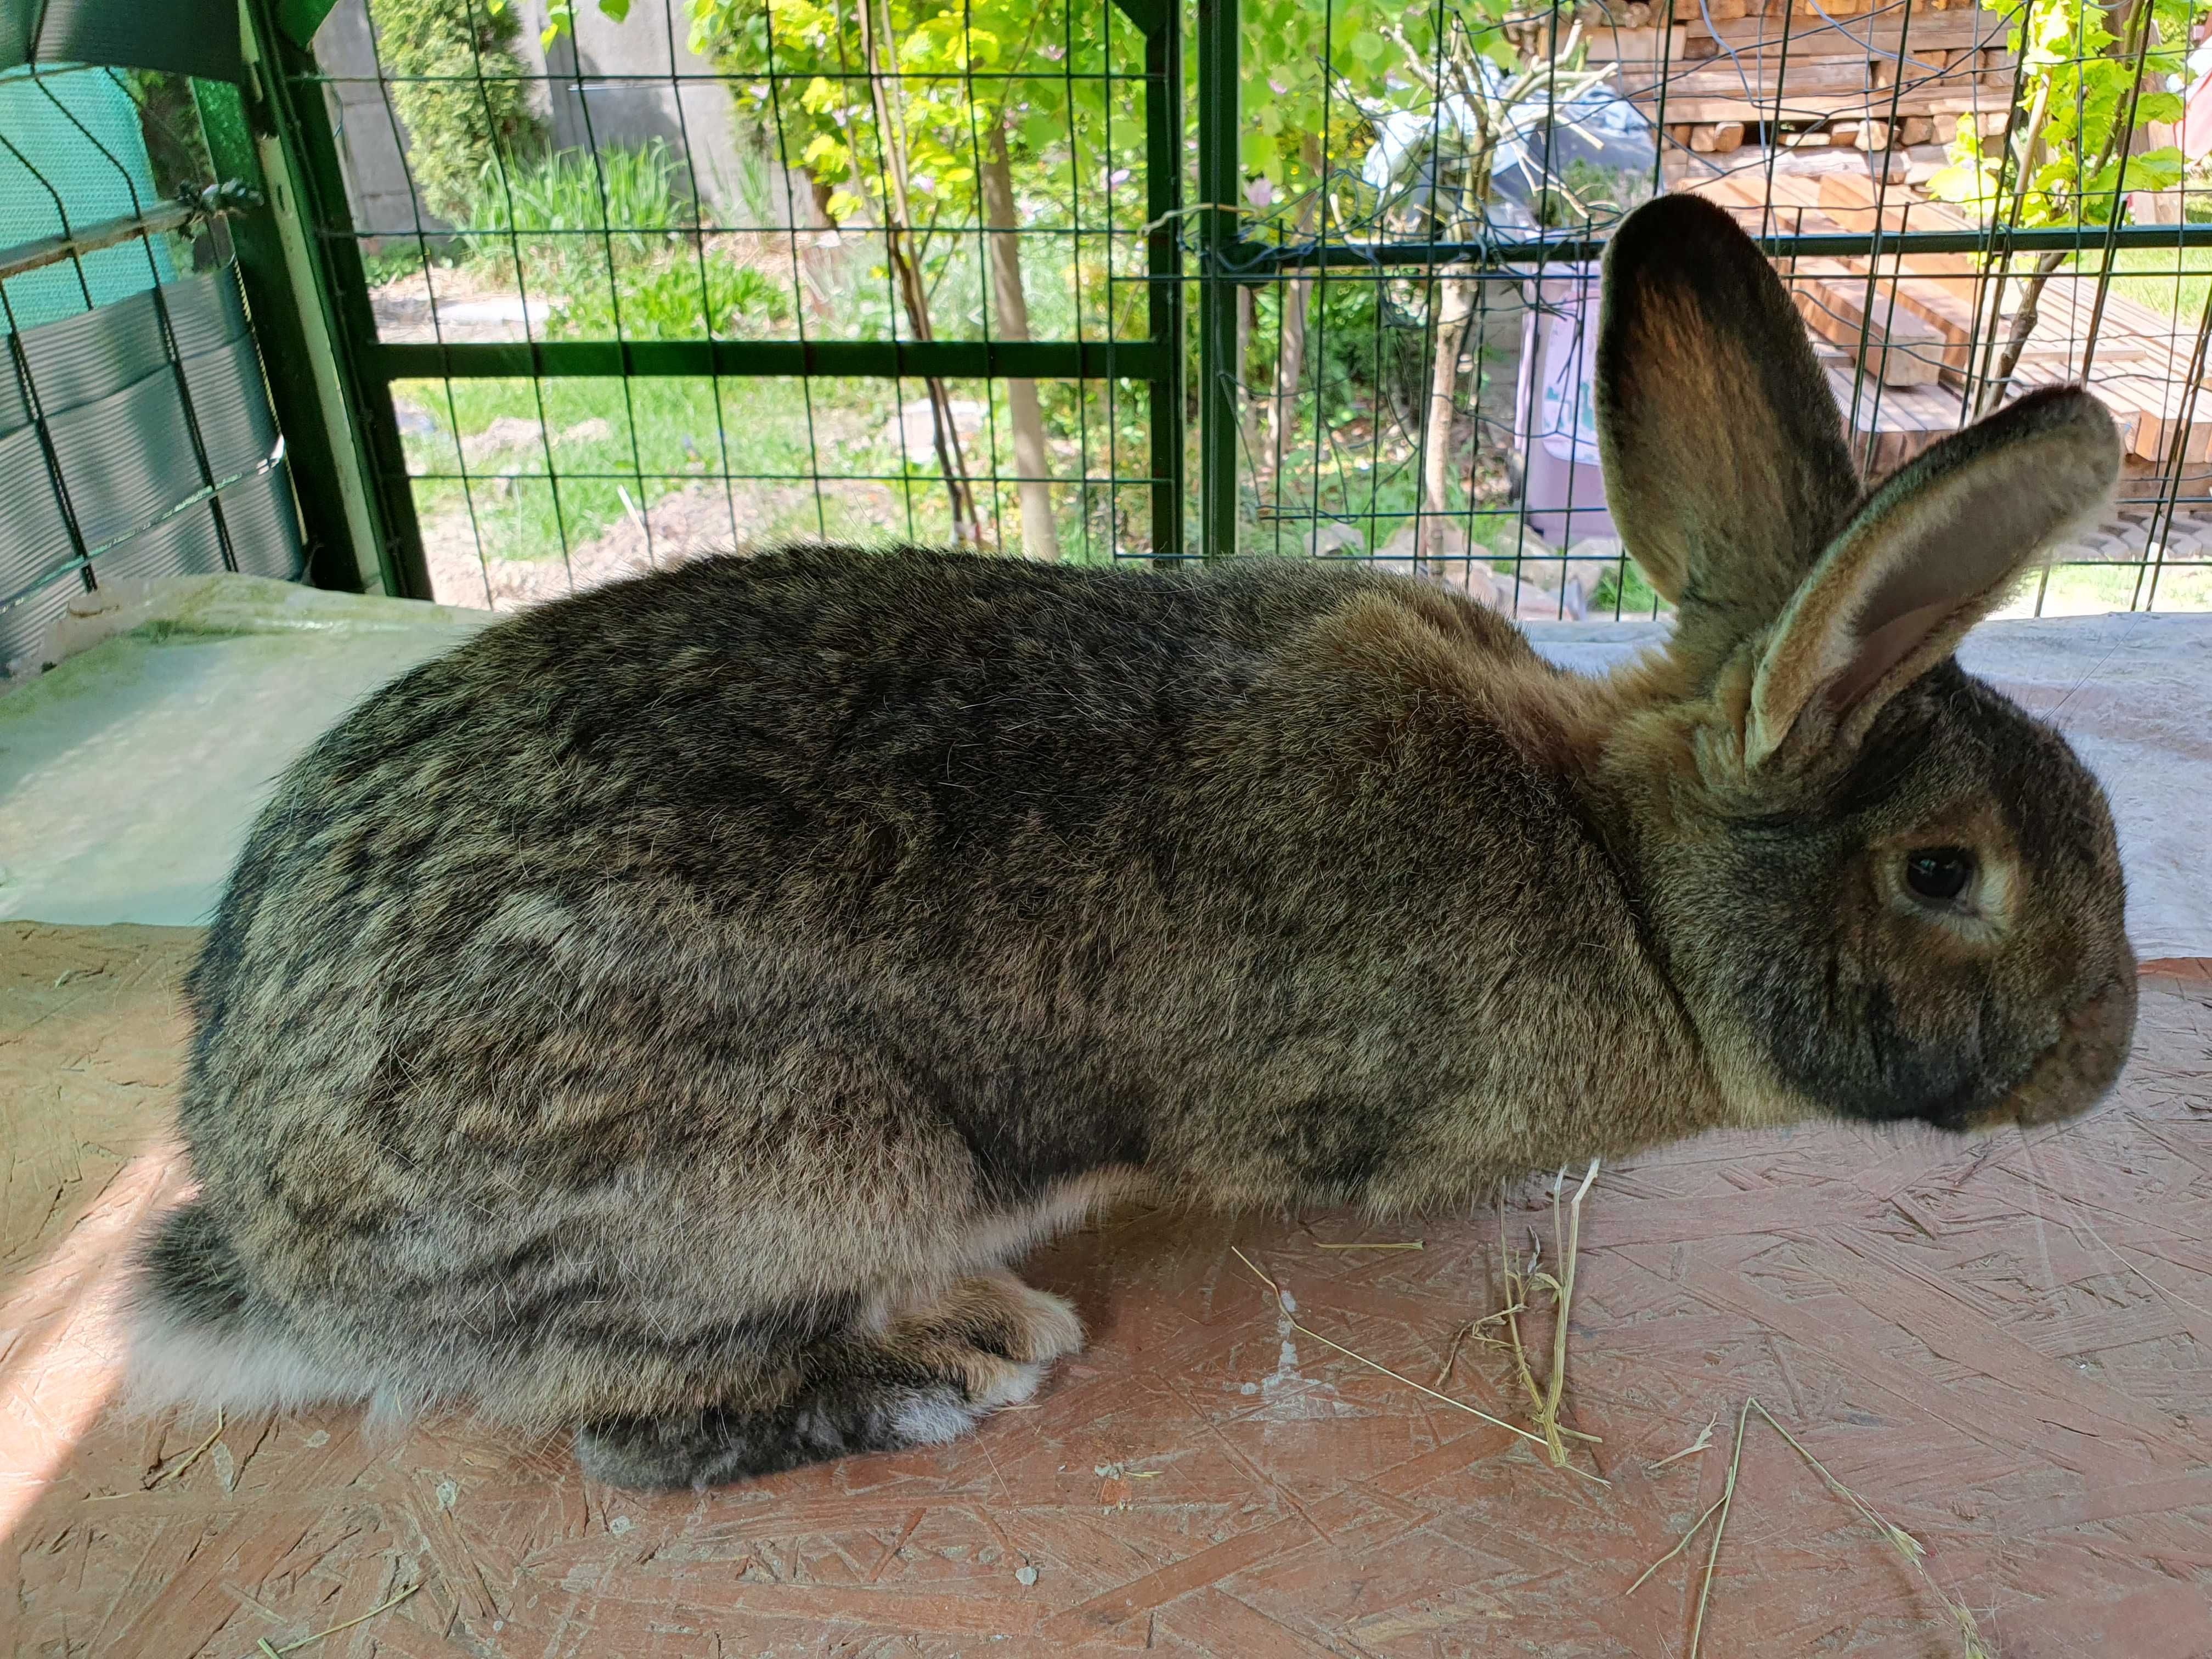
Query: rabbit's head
[1883, 889]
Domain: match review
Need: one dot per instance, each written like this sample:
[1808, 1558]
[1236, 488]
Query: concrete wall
[369, 133]
[613, 83]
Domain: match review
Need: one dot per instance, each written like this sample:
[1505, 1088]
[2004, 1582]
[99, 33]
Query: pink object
[2196, 120]
[1561, 487]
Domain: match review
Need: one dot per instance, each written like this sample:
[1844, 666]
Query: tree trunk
[1454, 310]
[1040, 535]
[1999, 374]
[815, 260]
[2023, 325]
[1290, 370]
[2132, 16]
[1291, 363]
[1248, 410]
[906, 268]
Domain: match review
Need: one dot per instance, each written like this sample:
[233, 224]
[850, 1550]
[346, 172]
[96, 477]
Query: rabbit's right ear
[1725, 466]
[1930, 554]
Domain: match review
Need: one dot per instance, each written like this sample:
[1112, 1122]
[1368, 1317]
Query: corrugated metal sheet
[115, 448]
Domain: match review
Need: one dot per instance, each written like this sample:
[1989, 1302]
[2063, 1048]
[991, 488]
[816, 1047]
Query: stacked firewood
[1863, 73]
[1913, 341]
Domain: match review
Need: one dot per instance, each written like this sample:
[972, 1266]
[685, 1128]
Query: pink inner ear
[1889, 645]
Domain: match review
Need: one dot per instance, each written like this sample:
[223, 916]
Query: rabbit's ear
[1931, 552]
[1725, 466]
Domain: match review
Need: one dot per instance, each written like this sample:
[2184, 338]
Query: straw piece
[1566, 1234]
[1972, 1644]
[1720, 1526]
[1701, 1444]
[1681, 1544]
[324, 1635]
[187, 1460]
[1442, 1399]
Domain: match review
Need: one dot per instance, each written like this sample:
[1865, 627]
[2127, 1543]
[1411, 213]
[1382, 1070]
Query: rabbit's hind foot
[928, 1377]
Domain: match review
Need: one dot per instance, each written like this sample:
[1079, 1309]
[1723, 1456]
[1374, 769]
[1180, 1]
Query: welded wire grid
[134, 427]
[1366, 262]
[765, 182]
[822, 183]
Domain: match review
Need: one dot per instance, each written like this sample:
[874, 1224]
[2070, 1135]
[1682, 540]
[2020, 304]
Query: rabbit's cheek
[2075, 1073]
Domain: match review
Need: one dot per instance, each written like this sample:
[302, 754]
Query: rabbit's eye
[1939, 872]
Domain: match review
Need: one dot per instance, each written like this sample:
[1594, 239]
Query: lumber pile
[1868, 75]
[1907, 344]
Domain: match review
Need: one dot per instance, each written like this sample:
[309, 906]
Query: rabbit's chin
[2073, 1074]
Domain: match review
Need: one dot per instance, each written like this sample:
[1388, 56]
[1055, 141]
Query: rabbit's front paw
[997, 1315]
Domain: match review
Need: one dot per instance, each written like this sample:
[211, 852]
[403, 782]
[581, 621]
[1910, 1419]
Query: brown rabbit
[667, 1015]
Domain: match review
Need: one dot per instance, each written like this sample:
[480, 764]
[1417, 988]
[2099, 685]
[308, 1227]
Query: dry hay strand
[1566, 1238]
[269, 1649]
[1286, 1306]
[1703, 1442]
[1972, 1644]
[177, 1469]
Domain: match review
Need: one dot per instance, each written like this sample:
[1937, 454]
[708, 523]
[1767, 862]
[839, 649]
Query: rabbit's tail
[204, 1338]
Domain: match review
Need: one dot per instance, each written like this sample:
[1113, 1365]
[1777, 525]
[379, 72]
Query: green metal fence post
[1220, 373]
[306, 194]
[328, 481]
[1162, 24]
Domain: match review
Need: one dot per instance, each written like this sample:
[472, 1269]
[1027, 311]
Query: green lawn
[535, 497]
[2173, 281]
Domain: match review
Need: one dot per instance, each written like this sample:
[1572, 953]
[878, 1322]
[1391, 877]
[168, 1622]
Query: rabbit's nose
[2075, 1073]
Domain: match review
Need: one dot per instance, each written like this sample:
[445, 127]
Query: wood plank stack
[1905, 344]
[1870, 75]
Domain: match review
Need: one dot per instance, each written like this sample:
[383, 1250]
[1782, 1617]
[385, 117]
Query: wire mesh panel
[716, 275]
[136, 431]
[1965, 201]
[715, 272]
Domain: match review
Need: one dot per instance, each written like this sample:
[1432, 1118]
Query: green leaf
[618, 10]
[1257, 149]
[1369, 47]
[1962, 183]
[2164, 106]
[2155, 169]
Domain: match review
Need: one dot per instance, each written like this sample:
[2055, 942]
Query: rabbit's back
[847, 736]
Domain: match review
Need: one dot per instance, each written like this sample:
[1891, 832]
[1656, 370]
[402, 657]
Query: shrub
[637, 191]
[458, 91]
[661, 302]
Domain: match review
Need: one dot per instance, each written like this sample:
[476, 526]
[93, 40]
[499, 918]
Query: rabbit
[664, 1019]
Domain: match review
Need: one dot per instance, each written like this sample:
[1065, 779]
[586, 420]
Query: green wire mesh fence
[712, 277]
[1966, 203]
[1105, 279]
[714, 272]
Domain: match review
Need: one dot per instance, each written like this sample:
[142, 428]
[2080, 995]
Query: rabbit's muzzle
[2074, 1073]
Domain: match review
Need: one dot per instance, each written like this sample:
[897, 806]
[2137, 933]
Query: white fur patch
[931, 1419]
[174, 1363]
[1015, 1384]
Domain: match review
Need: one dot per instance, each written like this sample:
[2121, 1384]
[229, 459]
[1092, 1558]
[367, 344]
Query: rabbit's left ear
[1930, 555]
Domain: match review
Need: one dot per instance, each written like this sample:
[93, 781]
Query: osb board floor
[1999, 1344]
